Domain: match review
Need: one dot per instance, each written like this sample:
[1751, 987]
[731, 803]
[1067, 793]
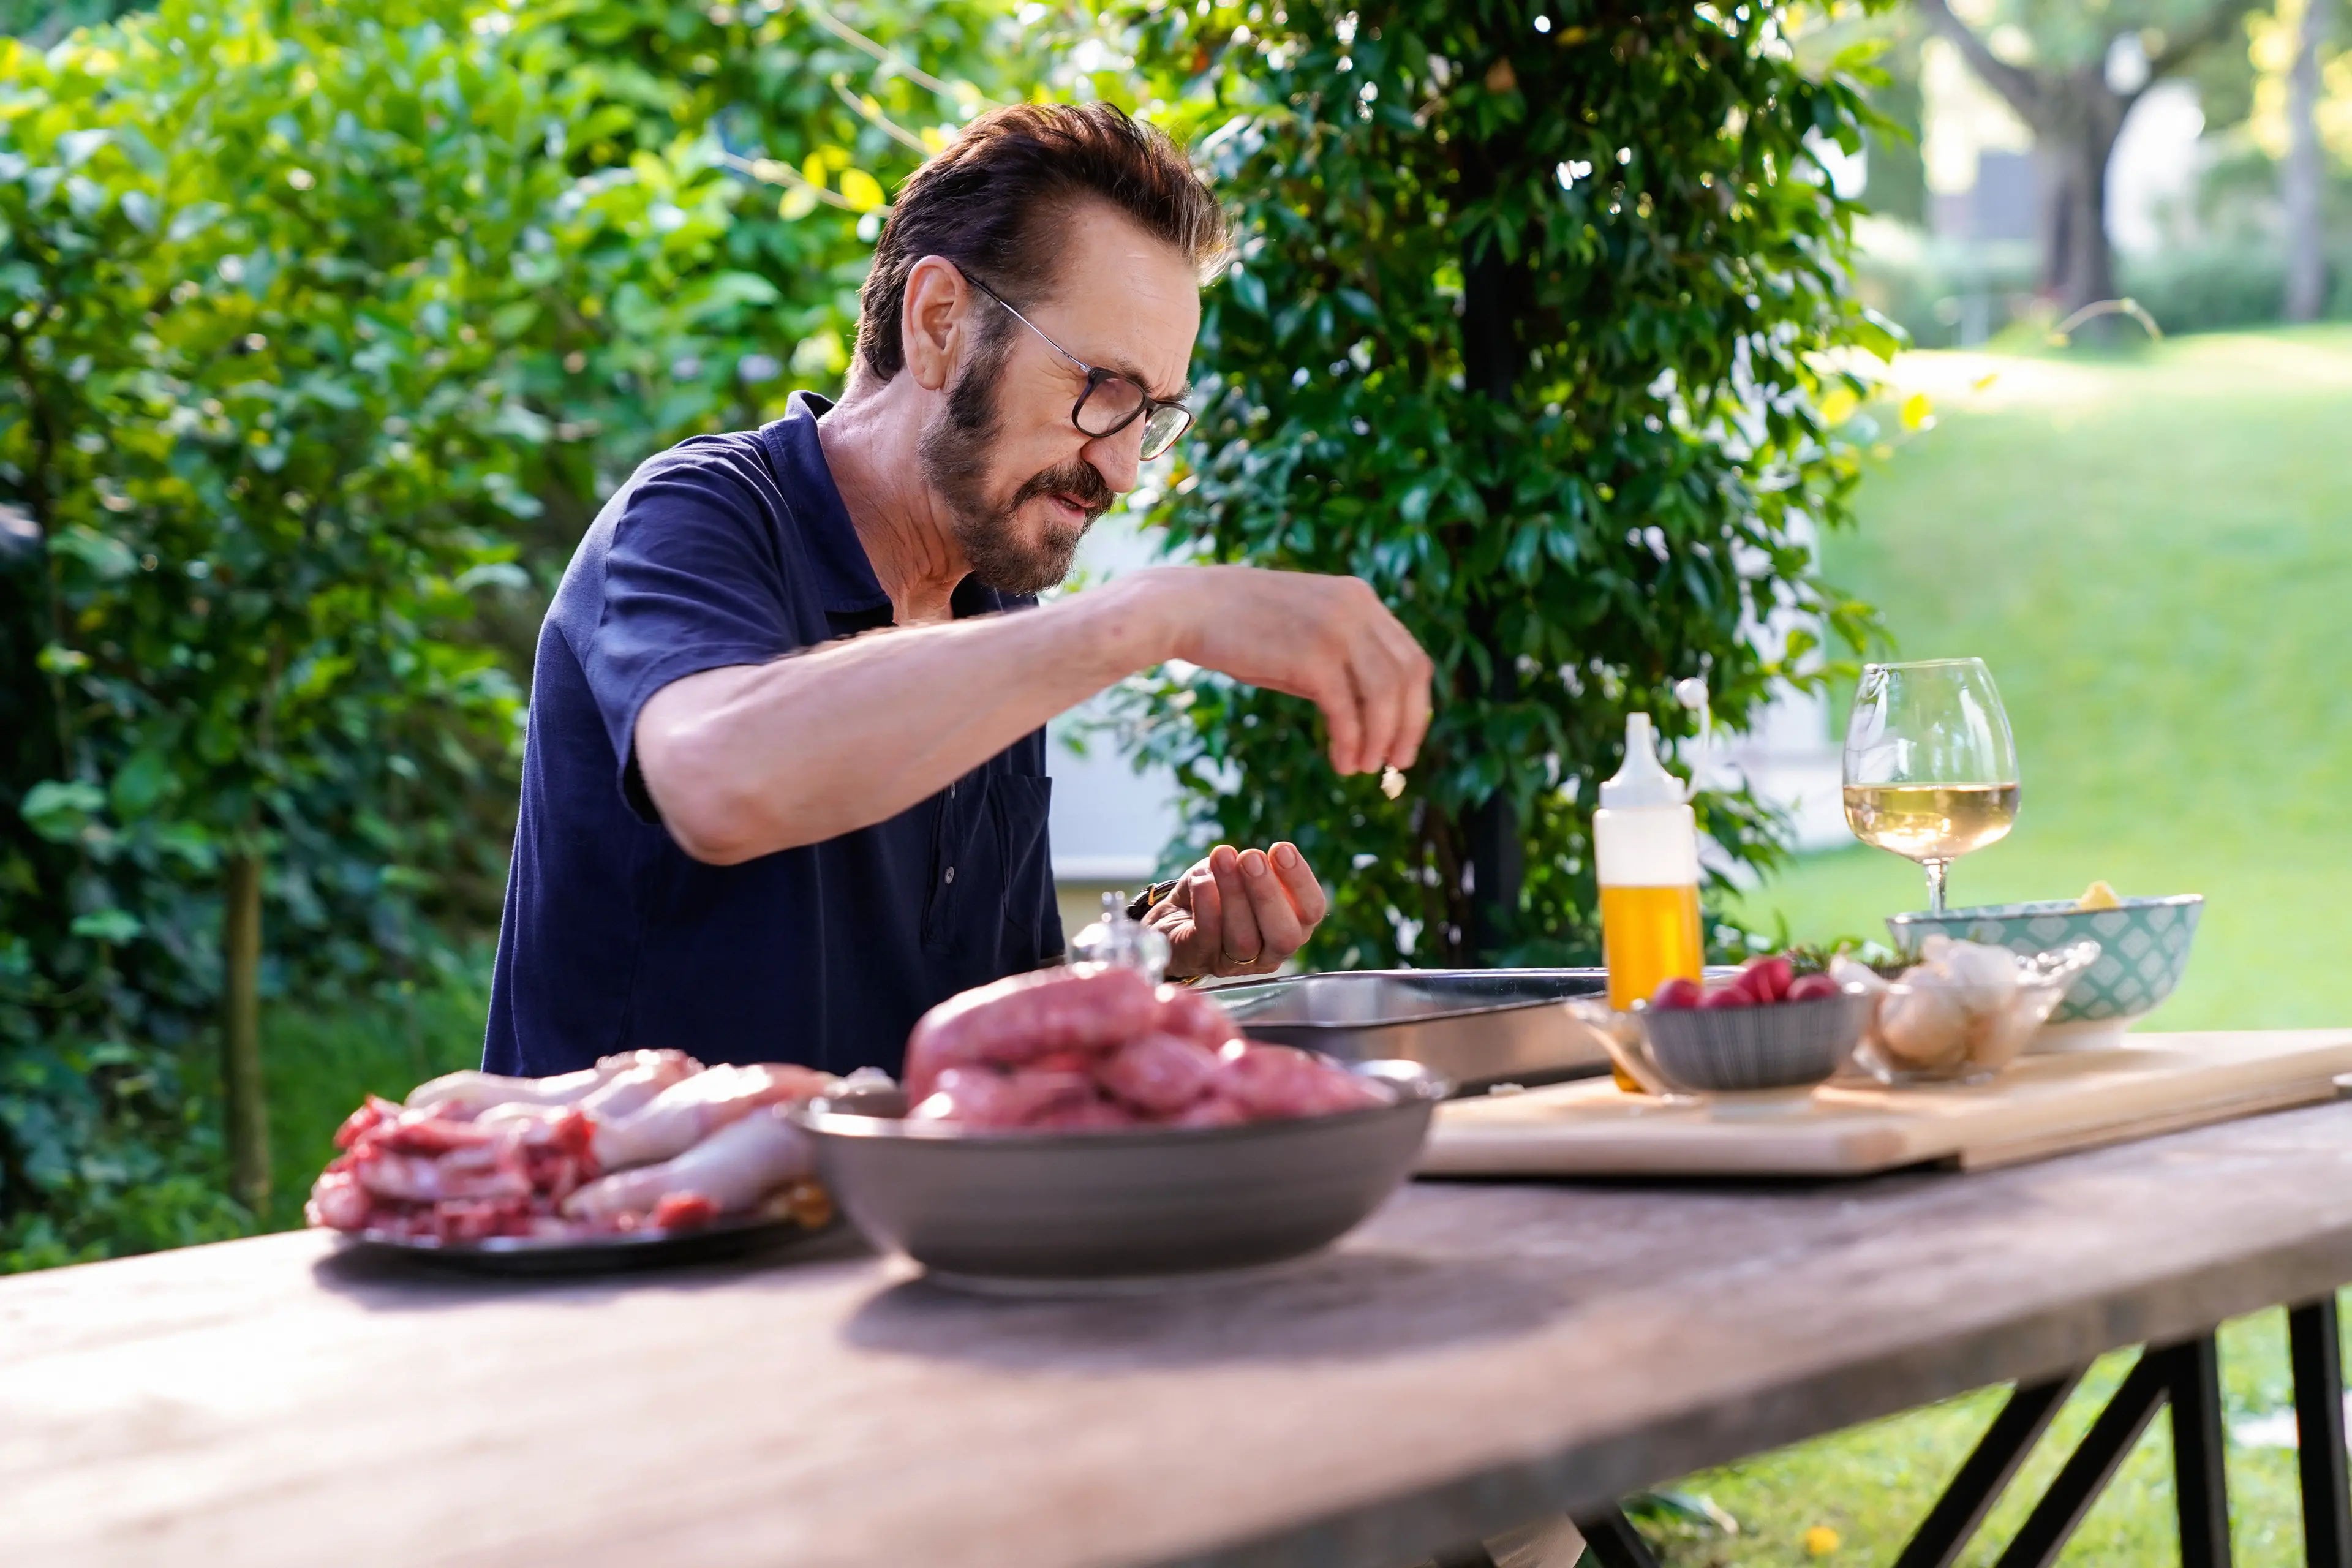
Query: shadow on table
[383, 1279]
[1353, 1305]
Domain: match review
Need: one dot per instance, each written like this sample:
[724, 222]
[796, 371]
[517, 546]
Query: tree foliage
[322, 328]
[271, 457]
[1535, 312]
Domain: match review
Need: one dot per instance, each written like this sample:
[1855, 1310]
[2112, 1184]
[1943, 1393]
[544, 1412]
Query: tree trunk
[241, 1084]
[2302, 179]
[1489, 898]
[2074, 142]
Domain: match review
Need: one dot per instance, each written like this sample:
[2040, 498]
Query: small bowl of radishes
[1766, 1029]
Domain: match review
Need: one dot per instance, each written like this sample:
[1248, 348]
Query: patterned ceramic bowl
[2144, 946]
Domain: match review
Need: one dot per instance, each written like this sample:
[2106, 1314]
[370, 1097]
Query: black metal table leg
[2200, 1484]
[2315, 1347]
[1945, 1533]
[2087, 1470]
[1613, 1539]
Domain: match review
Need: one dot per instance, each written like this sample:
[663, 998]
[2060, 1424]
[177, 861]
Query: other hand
[1327, 639]
[1239, 913]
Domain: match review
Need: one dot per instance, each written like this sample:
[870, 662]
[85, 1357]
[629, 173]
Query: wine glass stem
[1936, 869]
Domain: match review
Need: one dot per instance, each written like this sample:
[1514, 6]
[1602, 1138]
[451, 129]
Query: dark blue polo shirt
[735, 550]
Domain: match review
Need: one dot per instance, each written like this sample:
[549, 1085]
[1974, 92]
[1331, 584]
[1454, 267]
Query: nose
[1117, 456]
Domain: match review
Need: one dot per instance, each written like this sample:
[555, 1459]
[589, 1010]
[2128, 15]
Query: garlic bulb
[1927, 1026]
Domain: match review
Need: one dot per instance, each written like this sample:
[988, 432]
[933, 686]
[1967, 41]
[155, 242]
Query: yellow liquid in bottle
[1648, 935]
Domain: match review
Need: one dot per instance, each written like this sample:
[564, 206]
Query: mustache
[1077, 479]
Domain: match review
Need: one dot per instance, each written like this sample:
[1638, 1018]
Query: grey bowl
[1053, 1210]
[1780, 1045]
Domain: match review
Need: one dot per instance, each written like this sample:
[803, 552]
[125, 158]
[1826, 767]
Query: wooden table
[1478, 1355]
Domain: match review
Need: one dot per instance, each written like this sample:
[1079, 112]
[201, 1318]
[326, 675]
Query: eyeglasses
[1111, 401]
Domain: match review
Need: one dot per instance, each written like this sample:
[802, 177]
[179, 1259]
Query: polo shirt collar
[845, 575]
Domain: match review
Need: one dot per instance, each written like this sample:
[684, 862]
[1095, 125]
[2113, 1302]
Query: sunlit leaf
[861, 190]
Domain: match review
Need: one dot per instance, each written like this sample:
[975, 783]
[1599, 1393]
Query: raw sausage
[1281, 1080]
[984, 1097]
[1194, 1016]
[1020, 1019]
[1161, 1074]
[1084, 1049]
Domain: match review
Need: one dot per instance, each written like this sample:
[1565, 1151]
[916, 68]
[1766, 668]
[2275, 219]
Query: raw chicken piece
[684, 1211]
[419, 1174]
[1158, 1074]
[635, 1089]
[462, 1096]
[730, 1170]
[471, 1165]
[424, 1178]
[687, 1112]
[339, 1202]
[624, 1093]
[381, 1124]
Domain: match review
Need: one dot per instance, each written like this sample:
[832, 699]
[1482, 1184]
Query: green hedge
[322, 328]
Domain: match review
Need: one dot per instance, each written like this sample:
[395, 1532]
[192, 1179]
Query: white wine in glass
[1930, 769]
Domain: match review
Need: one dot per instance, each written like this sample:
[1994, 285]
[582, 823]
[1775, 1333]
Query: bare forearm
[750, 760]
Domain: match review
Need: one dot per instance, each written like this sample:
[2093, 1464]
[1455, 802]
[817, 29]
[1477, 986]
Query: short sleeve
[693, 578]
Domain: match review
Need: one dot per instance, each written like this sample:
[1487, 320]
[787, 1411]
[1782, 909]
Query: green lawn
[2155, 556]
[1873, 1484]
[2156, 559]
[321, 1062]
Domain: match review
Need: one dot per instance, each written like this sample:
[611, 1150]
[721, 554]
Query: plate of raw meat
[646, 1158]
[1081, 1129]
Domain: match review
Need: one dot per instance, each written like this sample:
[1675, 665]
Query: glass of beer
[1930, 769]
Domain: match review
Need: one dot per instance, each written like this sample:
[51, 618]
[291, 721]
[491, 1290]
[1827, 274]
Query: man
[784, 786]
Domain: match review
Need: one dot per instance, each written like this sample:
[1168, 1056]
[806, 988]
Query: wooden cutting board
[2044, 1104]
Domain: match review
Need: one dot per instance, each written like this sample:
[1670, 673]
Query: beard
[955, 449]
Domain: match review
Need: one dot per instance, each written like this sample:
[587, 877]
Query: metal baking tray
[1477, 1026]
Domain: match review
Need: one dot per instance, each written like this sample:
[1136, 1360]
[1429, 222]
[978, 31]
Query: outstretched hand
[1327, 639]
[1239, 913]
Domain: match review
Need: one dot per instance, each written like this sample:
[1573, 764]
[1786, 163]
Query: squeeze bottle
[1646, 858]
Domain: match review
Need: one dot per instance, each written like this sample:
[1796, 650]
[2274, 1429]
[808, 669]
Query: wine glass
[1930, 769]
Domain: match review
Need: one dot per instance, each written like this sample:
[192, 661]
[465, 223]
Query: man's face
[1021, 482]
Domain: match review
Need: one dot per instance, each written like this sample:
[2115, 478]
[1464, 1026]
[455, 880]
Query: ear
[932, 321]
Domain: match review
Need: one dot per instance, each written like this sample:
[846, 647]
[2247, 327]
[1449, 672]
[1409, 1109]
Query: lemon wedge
[2099, 896]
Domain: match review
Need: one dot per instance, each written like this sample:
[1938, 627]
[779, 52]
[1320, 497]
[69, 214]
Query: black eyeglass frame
[1147, 405]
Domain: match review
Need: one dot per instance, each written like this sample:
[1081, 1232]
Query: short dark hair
[993, 201]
